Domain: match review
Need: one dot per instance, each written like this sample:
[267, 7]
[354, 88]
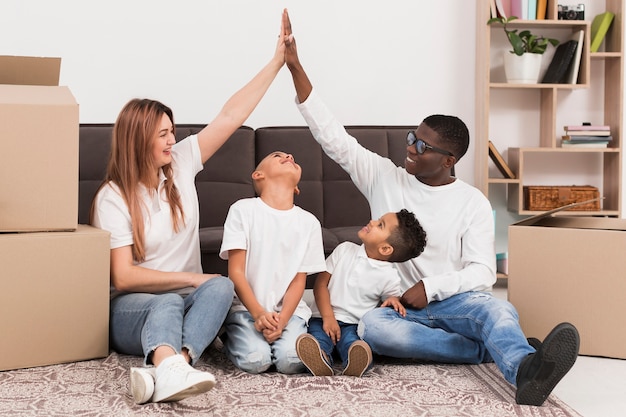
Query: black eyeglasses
[422, 146]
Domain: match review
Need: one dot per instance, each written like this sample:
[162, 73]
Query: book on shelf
[588, 132]
[586, 126]
[499, 161]
[519, 8]
[557, 70]
[572, 71]
[599, 144]
[599, 26]
[532, 10]
[494, 10]
[589, 138]
[503, 7]
[541, 9]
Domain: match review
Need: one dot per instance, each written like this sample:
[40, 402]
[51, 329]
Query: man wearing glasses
[450, 315]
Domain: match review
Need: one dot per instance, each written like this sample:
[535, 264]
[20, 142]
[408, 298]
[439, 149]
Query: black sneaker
[534, 342]
[539, 372]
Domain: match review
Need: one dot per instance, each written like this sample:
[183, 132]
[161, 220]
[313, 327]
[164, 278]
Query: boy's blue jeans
[472, 327]
[348, 336]
[141, 322]
[249, 351]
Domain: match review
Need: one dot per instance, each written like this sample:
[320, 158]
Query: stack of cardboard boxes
[54, 273]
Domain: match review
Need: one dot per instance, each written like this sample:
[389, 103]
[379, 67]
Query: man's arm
[300, 80]
[415, 297]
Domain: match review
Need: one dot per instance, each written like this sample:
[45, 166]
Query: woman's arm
[128, 277]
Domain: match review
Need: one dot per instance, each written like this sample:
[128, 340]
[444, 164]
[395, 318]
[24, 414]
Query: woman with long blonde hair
[163, 307]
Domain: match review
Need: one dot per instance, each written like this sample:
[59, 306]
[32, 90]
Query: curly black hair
[408, 239]
[452, 131]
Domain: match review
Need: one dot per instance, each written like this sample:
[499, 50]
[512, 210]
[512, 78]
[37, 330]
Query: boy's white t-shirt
[357, 283]
[278, 244]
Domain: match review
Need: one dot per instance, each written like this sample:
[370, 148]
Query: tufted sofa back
[326, 190]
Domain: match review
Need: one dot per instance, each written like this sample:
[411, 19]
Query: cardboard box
[571, 269]
[54, 297]
[28, 70]
[39, 131]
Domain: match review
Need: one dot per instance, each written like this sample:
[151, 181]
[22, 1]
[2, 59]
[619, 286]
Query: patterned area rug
[391, 388]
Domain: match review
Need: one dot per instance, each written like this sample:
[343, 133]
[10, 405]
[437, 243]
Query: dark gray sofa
[326, 190]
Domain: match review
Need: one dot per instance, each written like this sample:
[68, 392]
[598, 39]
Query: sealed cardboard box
[571, 269]
[39, 132]
[54, 297]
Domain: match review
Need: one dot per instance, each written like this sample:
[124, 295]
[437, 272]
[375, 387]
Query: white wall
[374, 62]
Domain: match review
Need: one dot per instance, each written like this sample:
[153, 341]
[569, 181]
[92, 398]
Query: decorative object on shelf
[546, 197]
[599, 26]
[522, 69]
[571, 12]
[563, 56]
[499, 161]
[526, 47]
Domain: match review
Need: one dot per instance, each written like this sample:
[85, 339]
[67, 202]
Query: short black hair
[452, 132]
[408, 239]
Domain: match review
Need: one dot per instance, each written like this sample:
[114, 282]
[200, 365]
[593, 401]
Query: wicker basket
[542, 198]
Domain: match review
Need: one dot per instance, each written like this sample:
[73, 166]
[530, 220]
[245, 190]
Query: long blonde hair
[131, 164]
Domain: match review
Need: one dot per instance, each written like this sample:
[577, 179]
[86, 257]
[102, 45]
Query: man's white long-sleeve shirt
[459, 254]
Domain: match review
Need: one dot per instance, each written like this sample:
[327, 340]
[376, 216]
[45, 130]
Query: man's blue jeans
[472, 327]
[348, 336]
[141, 322]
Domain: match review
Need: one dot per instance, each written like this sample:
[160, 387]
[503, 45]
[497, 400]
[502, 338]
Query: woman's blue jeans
[141, 322]
[348, 336]
[250, 352]
[472, 327]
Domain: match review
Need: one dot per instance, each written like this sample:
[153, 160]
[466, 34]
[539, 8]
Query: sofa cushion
[93, 155]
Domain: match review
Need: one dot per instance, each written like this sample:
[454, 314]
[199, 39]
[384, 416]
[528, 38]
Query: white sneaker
[176, 380]
[142, 384]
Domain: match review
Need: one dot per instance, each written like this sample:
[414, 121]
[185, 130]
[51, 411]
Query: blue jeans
[141, 322]
[348, 336]
[250, 352]
[472, 327]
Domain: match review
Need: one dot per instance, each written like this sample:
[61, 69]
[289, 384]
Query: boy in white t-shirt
[362, 277]
[271, 246]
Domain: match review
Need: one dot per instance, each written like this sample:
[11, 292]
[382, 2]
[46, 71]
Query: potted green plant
[523, 63]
